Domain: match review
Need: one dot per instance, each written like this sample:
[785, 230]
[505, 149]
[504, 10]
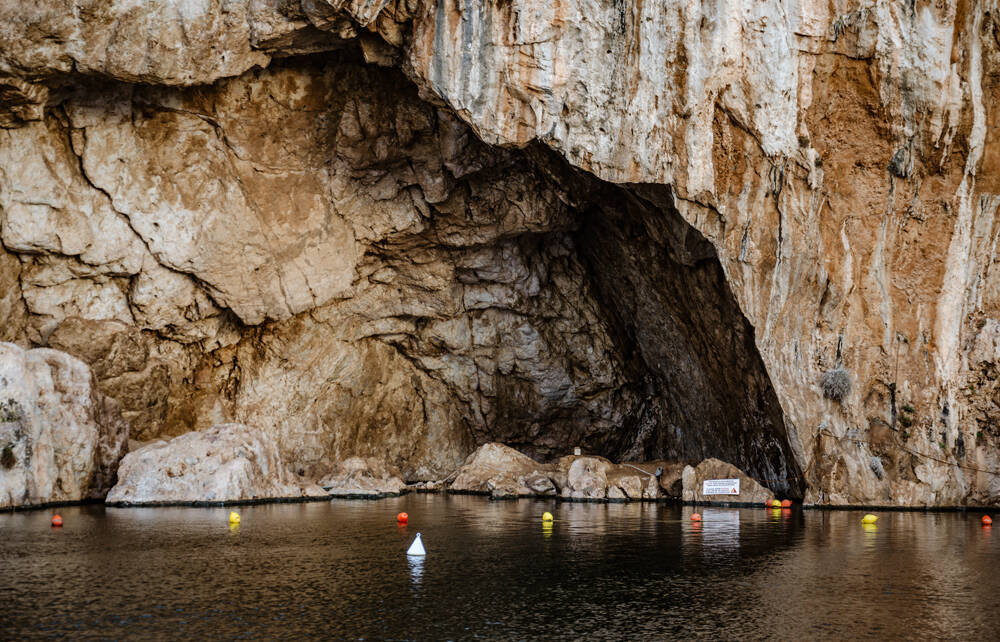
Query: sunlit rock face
[225, 463]
[324, 251]
[60, 438]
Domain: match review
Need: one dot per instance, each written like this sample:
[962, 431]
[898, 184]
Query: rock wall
[753, 194]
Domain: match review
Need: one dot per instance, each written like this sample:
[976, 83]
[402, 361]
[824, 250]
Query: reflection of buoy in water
[786, 503]
[416, 568]
[402, 518]
[869, 528]
[987, 520]
[234, 517]
[869, 519]
[775, 504]
[546, 516]
[56, 521]
[695, 517]
[417, 547]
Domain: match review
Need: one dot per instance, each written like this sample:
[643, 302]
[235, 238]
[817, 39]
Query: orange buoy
[786, 503]
[695, 517]
[987, 520]
[402, 518]
[56, 520]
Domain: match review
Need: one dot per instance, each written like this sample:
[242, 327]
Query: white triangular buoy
[417, 547]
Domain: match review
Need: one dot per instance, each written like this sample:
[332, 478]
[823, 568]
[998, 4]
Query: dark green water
[339, 570]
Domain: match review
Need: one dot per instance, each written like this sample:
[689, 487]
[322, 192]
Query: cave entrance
[687, 348]
[600, 317]
[691, 382]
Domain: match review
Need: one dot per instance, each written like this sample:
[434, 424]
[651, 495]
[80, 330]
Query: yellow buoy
[234, 517]
[869, 519]
[546, 516]
[775, 504]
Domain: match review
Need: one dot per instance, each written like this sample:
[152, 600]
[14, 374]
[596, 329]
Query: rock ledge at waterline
[364, 478]
[226, 463]
[504, 473]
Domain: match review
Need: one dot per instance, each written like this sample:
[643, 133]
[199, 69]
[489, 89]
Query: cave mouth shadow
[693, 384]
[686, 348]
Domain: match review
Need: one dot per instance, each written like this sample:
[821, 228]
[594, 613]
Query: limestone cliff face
[644, 228]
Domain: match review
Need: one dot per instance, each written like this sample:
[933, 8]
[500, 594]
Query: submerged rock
[694, 477]
[60, 438]
[364, 477]
[226, 463]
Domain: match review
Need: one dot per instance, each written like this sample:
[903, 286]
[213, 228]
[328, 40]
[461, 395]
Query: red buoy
[402, 518]
[987, 520]
[56, 521]
[786, 503]
[695, 517]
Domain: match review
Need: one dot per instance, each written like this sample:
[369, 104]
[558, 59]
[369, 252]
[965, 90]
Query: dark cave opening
[689, 381]
[688, 346]
[696, 384]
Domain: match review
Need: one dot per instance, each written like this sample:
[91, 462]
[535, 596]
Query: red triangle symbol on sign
[734, 491]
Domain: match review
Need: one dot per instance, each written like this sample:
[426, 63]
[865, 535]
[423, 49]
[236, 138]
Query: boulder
[226, 463]
[615, 494]
[538, 483]
[632, 486]
[60, 438]
[591, 478]
[503, 472]
[693, 478]
[587, 478]
[504, 486]
[652, 489]
[364, 477]
[671, 479]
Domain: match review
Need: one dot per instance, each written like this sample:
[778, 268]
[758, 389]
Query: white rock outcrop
[60, 438]
[365, 477]
[226, 463]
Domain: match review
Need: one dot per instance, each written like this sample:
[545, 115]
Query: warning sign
[720, 487]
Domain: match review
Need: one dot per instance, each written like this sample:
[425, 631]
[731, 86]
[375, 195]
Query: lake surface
[493, 571]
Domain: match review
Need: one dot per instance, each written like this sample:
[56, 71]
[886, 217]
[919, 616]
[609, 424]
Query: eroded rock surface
[60, 438]
[320, 249]
[226, 463]
[503, 472]
[364, 477]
